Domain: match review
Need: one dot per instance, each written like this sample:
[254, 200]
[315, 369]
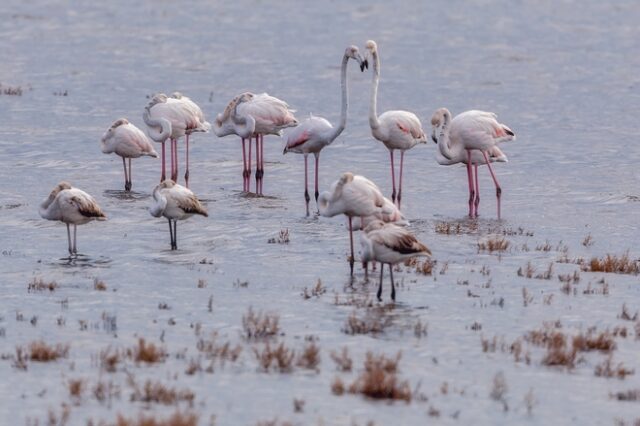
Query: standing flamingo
[396, 129]
[249, 115]
[175, 202]
[315, 133]
[468, 132]
[71, 206]
[389, 243]
[352, 195]
[127, 141]
[172, 118]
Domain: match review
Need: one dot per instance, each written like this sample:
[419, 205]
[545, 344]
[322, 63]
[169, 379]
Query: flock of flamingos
[470, 138]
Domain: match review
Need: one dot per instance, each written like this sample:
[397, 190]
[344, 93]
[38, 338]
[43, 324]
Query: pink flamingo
[353, 195]
[313, 134]
[471, 138]
[400, 130]
[127, 141]
[172, 118]
[249, 115]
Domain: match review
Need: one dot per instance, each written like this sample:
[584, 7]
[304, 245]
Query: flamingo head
[167, 183]
[373, 225]
[177, 95]
[353, 53]
[372, 48]
[439, 120]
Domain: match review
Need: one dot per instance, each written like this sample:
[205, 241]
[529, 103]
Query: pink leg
[261, 162]
[306, 191]
[186, 173]
[476, 202]
[249, 168]
[400, 178]
[126, 177]
[351, 258]
[472, 194]
[163, 176]
[130, 177]
[258, 165]
[244, 165]
[393, 177]
[317, 193]
[175, 169]
[493, 176]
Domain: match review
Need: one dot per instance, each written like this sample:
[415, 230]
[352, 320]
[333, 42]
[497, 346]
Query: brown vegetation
[607, 369]
[38, 284]
[40, 351]
[309, 358]
[493, 243]
[99, 285]
[612, 263]
[379, 379]
[260, 325]
[157, 392]
[214, 350]
[146, 352]
[343, 360]
[176, 419]
[283, 238]
[316, 291]
[279, 358]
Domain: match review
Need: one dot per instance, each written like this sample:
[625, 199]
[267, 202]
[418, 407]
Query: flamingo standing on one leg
[352, 195]
[315, 133]
[127, 141]
[175, 202]
[389, 243]
[71, 206]
[171, 118]
[249, 115]
[471, 131]
[400, 130]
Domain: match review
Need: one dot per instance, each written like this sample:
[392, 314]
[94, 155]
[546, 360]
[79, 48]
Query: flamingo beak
[433, 138]
[364, 65]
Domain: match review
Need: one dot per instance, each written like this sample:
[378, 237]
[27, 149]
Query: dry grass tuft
[146, 352]
[588, 241]
[157, 392]
[309, 358]
[343, 360]
[109, 359]
[316, 291]
[215, 350]
[76, 387]
[283, 238]
[373, 321]
[260, 325]
[379, 379]
[38, 284]
[176, 419]
[493, 243]
[630, 395]
[499, 390]
[625, 315]
[337, 386]
[607, 369]
[612, 263]
[591, 341]
[527, 271]
[569, 278]
[40, 351]
[99, 285]
[279, 358]
[422, 267]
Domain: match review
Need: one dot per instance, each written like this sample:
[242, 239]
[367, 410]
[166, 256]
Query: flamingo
[249, 115]
[389, 243]
[461, 137]
[175, 202]
[315, 133]
[172, 118]
[71, 206]
[127, 141]
[400, 130]
[352, 195]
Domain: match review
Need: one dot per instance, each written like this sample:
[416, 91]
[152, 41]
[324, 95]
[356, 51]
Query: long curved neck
[373, 115]
[243, 126]
[443, 139]
[155, 123]
[345, 100]
[46, 209]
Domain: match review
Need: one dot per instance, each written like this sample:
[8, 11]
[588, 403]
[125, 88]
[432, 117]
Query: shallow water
[562, 75]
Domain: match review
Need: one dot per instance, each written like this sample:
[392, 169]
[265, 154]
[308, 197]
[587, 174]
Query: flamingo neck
[443, 139]
[345, 100]
[155, 123]
[373, 115]
[243, 125]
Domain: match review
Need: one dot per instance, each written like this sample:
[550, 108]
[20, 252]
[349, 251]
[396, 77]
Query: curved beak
[365, 63]
[433, 137]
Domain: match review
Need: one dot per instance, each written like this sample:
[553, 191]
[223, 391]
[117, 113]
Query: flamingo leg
[261, 162]
[400, 178]
[186, 173]
[306, 190]
[175, 235]
[75, 245]
[130, 178]
[126, 178]
[175, 169]
[258, 165]
[69, 240]
[317, 193]
[493, 176]
[477, 200]
[170, 233]
[472, 193]
[393, 286]
[244, 165]
[393, 177]
[379, 294]
[163, 176]
[249, 168]
[351, 258]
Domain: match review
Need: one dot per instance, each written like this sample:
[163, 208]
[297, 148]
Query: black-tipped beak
[433, 138]
[364, 65]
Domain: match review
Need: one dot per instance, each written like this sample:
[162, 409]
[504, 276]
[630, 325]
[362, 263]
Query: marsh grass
[493, 243]
[279, 358]
[342, 359]
[374, 320]
[615, 264]
[260, 325]
[178, 418]
[607, 369]
[309, 358]
[379, 379]
[148, 353]
[159, 393]
[38, 284]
